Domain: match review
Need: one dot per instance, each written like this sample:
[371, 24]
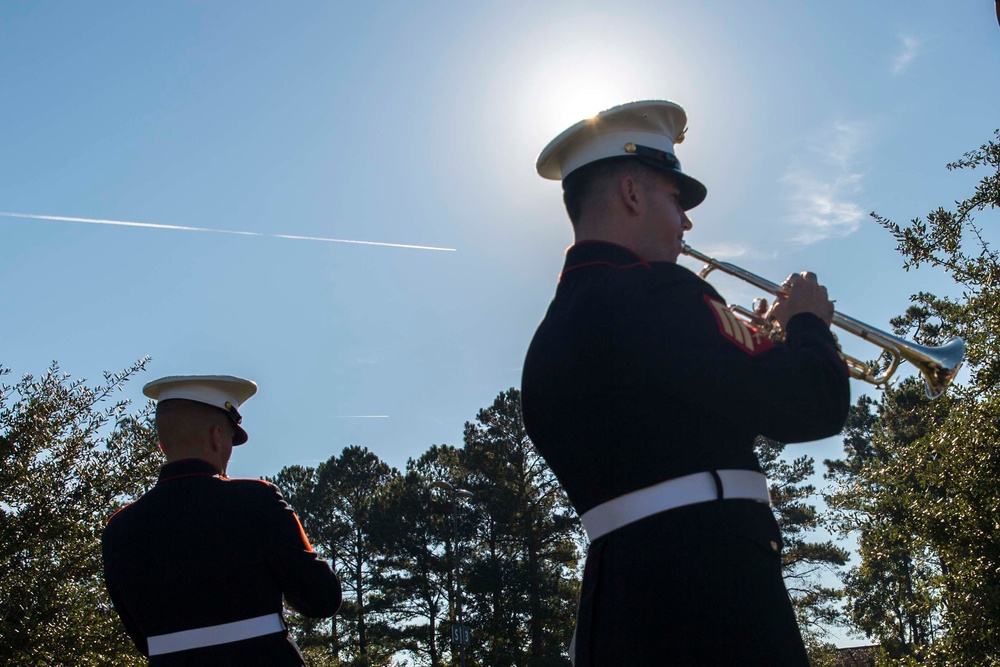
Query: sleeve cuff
[808, 325]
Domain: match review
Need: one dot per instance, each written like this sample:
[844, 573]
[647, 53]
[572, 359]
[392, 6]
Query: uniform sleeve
[308, 582]
[794, 391]
[810, 343]
[111, 568]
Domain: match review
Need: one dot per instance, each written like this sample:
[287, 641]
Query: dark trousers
[696, 586]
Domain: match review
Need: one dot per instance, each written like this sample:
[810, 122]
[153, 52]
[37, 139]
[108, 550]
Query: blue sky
[418, 123]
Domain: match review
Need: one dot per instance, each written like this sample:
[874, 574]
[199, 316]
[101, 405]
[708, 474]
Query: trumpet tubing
[938, 364]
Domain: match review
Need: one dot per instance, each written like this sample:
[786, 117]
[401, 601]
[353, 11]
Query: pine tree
[525, 577]
[416, 532]
[804, 560]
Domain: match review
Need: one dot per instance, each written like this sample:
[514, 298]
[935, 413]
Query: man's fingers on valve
[796, 278]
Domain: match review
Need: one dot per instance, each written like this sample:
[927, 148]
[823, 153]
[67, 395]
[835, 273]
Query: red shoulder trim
[302, 533]
[118, 511]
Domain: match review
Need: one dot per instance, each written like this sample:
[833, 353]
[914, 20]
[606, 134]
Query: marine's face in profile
[666, 219]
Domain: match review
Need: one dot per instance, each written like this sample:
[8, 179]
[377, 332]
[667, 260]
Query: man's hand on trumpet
[801, 293]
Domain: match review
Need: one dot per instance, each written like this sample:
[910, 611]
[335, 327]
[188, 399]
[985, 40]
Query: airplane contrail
[359, 416]
[184, 228]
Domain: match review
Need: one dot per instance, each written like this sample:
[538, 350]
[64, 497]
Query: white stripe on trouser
[215, 634]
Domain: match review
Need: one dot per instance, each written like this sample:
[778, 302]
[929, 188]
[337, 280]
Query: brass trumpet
[939, 365]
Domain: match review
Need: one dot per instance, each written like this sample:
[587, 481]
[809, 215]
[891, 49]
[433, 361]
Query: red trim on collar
[600, 242]
[189, 467]
[639, 262]
[612, 265]
[190, 474]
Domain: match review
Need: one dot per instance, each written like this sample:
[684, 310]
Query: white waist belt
[688, 490]
[215, 634]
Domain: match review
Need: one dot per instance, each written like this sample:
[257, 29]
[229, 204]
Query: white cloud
[823, 192]
[907, 52]
[842, 143]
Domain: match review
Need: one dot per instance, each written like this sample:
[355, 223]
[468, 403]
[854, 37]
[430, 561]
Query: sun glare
[568, 69]
[588, 67]
[565, 92]
[570, 99]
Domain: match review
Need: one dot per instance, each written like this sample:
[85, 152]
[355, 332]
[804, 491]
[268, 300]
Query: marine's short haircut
[178, 418]
[585, 180]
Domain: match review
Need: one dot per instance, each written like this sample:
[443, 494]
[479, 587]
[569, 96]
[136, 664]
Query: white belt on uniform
[688, 490]
[215, 634]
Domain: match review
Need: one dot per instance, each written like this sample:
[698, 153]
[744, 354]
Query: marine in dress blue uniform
[197, 568]
[644, 394]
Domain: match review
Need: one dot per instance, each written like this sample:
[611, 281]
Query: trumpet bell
[939, 365]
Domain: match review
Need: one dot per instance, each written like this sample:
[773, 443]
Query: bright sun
[564, 92]
[586, 68]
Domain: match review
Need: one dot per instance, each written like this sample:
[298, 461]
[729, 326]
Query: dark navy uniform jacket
[639, 374]
[199, 550]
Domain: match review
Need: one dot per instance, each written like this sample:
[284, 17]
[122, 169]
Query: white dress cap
[647, 130]
[225, 392]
